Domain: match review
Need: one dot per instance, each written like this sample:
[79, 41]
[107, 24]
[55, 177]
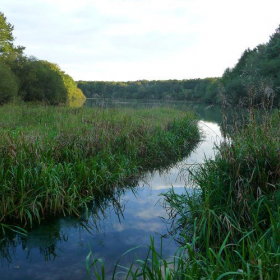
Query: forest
[186, 90]
[30, 79]
[259, 67]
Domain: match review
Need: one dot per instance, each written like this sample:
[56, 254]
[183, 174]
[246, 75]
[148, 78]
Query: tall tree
[6, 36]
[7, 48]
[40, 81]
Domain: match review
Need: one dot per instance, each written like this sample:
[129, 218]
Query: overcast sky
[121, 40]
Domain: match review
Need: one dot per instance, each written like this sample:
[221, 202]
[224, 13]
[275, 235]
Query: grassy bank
[234, 214]
[55, 160]
[229, 228]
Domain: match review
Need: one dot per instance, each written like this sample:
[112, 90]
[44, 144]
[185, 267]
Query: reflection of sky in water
[58, 250]
[176, 176]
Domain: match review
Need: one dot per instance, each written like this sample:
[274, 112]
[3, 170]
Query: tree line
[31, 79]
[194, 90]
[255, 76]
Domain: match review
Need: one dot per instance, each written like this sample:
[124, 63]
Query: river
[57, 249]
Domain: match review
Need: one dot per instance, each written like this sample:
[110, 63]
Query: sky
[128, 40]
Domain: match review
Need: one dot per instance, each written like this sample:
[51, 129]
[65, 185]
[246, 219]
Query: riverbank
[229, 226]
[234, 216]
[56, 159]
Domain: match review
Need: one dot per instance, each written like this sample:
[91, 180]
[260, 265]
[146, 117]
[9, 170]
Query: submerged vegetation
[56, 160]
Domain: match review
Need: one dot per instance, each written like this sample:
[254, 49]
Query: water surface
[57, 249]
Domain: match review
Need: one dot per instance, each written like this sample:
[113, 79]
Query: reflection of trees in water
[7, 248]
[210, 113]
[206, 112]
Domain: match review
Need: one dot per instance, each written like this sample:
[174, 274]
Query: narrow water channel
[57, 249]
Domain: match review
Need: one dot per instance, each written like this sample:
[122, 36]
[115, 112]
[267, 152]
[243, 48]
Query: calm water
[57, 249]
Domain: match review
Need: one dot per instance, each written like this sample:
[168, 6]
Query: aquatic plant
[56, 160]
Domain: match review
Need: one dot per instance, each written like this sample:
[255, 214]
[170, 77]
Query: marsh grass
[228, 227]
[55, 160]
[232, 217]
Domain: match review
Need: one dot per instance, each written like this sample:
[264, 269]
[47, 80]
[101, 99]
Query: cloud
[141, 39]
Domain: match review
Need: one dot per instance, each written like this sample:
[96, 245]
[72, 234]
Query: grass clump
[242, 183]
[55, 160]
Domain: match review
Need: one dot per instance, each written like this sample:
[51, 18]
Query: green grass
[55, 160]
[233, 217]
[229, 225]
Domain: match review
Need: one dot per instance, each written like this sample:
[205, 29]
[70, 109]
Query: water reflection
[127, 218]
[210, 113]
[177, 176]
[56, 248]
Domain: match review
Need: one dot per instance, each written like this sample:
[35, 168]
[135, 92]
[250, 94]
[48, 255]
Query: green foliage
[55, 160]
[42, 81]
[7, 48]
[74, 95]
[211, 91]
[6, 36]
[8, 84]
[187, 90]
[261, 63]
[37, 80]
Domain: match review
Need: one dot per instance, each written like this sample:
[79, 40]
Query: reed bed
[54, 160]
[229, 226]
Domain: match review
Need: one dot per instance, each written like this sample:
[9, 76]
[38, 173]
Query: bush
[8, 84]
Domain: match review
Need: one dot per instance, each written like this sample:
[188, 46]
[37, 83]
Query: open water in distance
[57, 249]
